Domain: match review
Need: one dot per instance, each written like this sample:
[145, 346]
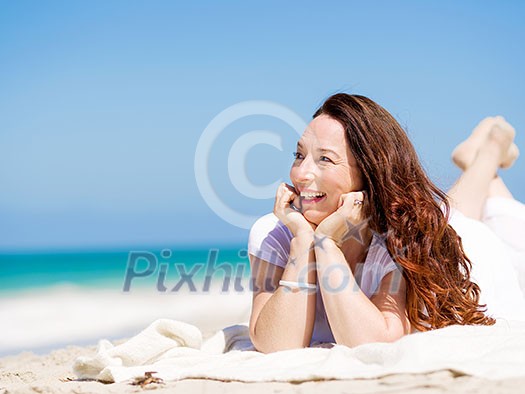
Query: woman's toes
[494, 131]
[465, 153]
[501, 138]
[511, 156]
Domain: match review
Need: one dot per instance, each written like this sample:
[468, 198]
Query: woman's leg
[477, 192]
[465, 153]
[480, 156]
[497, 188]
[469, 193]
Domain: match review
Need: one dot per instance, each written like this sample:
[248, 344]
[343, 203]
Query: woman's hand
[291, 216]
[347, 222]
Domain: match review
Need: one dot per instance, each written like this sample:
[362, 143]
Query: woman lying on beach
[365, 248]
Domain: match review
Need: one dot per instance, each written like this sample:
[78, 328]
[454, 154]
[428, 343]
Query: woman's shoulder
[270, 240]
[268, 220]
[269, 226]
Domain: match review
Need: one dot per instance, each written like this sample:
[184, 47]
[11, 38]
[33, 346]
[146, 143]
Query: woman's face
[323, 169]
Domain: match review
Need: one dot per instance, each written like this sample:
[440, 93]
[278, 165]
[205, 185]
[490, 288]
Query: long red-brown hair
[412, 213]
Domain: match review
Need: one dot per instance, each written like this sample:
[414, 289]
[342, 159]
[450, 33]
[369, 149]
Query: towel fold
[175, 351]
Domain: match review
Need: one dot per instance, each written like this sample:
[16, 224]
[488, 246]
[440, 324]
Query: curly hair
[412, 212]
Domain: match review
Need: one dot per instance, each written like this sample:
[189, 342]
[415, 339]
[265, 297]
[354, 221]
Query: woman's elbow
[270, 344]
[384, 337]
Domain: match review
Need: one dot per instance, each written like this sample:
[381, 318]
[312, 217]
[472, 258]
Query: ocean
[51, 300]
[122, 269]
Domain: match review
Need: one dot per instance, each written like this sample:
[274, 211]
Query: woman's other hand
[347, 222]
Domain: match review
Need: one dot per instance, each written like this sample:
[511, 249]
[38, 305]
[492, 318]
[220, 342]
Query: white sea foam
[45, 319]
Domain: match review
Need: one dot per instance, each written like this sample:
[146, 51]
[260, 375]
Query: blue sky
[102, 103]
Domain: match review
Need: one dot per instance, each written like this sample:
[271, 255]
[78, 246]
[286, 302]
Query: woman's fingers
[352, 199]
[285, 196]
[352, 206]
[290, 215]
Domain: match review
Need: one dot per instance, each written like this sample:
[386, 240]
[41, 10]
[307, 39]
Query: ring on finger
[358, 202]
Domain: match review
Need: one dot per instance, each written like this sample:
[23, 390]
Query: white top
[270, 241]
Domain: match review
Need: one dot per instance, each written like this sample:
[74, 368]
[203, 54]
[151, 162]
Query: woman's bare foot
[498, 143]
[512, 155]
[465, 153]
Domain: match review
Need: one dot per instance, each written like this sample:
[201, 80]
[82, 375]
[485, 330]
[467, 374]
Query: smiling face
[323, 169]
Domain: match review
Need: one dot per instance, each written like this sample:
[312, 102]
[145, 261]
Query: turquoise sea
[160, 268]
[115, 293]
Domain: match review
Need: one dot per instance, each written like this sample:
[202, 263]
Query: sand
[30, 373]
[56, 317]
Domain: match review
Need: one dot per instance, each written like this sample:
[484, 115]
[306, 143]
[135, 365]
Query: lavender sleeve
[270, 240]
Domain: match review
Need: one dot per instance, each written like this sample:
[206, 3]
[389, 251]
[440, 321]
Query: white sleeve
[270, 240]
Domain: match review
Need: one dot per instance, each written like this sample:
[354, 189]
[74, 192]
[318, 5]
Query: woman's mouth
[312, 197]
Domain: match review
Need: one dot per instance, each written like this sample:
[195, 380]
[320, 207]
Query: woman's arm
[282, 318]
[355, 319]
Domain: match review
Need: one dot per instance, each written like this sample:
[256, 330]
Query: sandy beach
[42, 326]
[30, 373]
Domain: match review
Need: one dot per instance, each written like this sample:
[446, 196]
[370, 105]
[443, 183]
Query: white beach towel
[175, 351]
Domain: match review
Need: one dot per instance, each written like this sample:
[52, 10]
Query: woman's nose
[306, 170]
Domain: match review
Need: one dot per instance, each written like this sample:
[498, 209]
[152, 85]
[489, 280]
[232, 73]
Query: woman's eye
[297, 155]
[326, 159]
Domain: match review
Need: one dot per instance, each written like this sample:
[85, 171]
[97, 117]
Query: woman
[359, 249]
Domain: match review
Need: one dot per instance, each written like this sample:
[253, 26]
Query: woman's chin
[315, 217]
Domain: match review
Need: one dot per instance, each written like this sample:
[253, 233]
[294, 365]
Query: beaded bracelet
[297, 285]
